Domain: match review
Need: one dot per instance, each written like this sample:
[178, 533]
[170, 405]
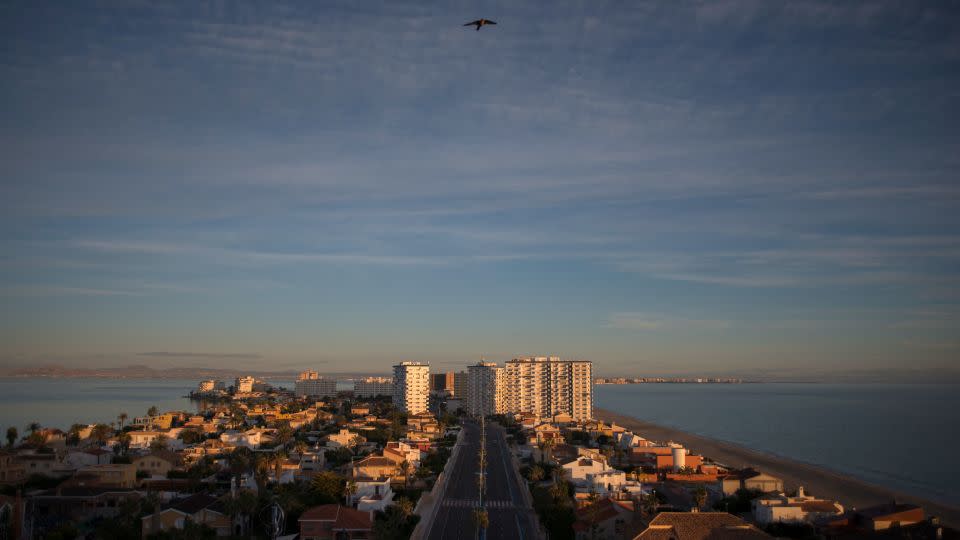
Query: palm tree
[277, 460]
[536, 473]
[405, 469]
[153, 411]
[548, 445]
[593, 510]
[261, 473]
[240, 507]
[350, 490]
[100, 433]
[159, 443]
[404, 507]
[284, 433]
[122, 417]
[649, 504]
[33, 427]
[700, 497]
[240, 462]
[73, 434]
[300, 447]
[11, 435]
[123, 441]
[559, 490]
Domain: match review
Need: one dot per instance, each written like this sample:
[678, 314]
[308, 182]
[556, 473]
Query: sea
[62, 402]
[900, 436]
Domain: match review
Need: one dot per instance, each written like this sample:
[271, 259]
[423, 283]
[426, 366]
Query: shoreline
[849, 491]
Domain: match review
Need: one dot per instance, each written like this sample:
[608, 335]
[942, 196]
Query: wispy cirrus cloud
[213, 356]
[655, 322]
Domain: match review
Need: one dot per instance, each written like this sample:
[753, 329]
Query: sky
[725, 186]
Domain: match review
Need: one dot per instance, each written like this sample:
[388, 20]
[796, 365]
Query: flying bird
[480, 22]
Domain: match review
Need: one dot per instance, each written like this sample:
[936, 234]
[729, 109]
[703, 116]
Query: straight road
[510, 518]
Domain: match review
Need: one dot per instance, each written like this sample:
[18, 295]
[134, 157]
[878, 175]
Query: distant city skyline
[661, 188]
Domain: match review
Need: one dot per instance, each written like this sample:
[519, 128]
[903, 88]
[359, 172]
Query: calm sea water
[896, 435]
[63, 402]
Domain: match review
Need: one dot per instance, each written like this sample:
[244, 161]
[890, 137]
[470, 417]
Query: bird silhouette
[480, 22]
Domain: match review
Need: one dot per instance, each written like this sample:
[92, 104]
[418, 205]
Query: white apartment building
[484, 389]
[547, 386]
[373, 386]
[411, 386]
[244, 385]
[311, 384]
[210, 385]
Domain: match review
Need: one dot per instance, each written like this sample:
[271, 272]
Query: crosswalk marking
[473, 503]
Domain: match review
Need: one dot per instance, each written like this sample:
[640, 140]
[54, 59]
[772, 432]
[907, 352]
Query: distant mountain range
[143, 372]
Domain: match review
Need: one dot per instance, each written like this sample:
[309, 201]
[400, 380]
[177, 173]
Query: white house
[579, 469]
[776, 508]
[404, 451]
[612, 481]
[78, 459]
[629, 439]
[373, 494]
[344, 438]
[142, 439]
[250, 438]
[312, 462]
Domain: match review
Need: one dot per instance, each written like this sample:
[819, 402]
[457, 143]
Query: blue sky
[661, 187]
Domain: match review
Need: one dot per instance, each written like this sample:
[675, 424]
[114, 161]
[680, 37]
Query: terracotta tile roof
[375, 461]
[343, 518]
[891, 511]
[700, 526]
[193, 504]
[599, 512]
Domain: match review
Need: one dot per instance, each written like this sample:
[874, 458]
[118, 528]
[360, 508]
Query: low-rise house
[751, 480]
[252, 438]
[611, 481]
[565, 453]
[53, 437]
[373, 494]
[81, 503]
[606, 519]
[143, 439]
[374, 467]
[78, 459]
[545, 432]
[345, 439]
[399, 451]
[114, 475]
[578, 471]
[160, 421]
[43, 464]
[157, 463]
[312, 462]
[690, 461]
[780, 508]
[700, 526]
[884, 516]
[335, 522]
[629, 439]
[708, 480]
[360, 410]
[12, 470]
[200, 508]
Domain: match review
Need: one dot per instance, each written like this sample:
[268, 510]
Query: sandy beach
[850, 492]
